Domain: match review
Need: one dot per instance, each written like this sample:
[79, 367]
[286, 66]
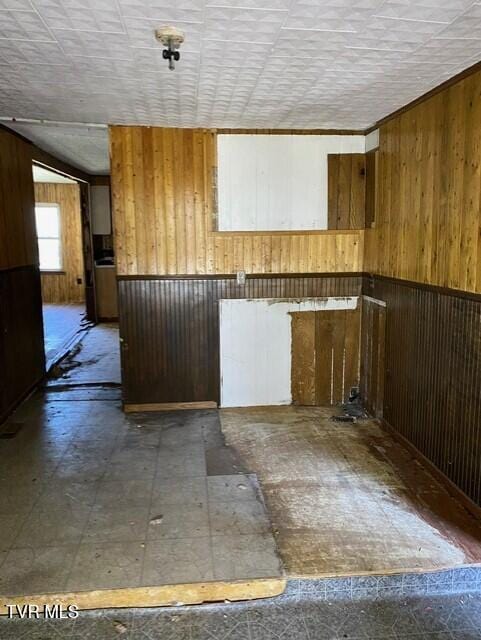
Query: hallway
[61, 325]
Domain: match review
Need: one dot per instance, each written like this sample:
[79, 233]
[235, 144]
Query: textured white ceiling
[245, 63]
[41, 174]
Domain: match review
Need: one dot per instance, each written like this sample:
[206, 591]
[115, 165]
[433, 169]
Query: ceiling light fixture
[171, 38]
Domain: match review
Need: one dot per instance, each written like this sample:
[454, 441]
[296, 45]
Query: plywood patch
[325, 356]
[164, 596]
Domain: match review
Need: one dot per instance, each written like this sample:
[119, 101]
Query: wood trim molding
[310, 232]
[292, 132]
[434, 288]
[169, 406]
[249, 276]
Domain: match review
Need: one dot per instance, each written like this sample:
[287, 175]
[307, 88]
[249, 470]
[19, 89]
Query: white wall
[255, 347]
[100, 205]
[276, 183]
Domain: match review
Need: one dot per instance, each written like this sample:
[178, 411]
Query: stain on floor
[347, 499]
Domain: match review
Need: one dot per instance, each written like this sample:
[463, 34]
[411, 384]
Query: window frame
[58, 269]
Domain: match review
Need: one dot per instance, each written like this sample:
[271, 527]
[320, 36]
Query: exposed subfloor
[446, 617]
[61, 322]
[347, 499]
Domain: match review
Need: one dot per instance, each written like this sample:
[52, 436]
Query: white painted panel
[100, 204]
[372, 140]
[255, 347]
[276, 183]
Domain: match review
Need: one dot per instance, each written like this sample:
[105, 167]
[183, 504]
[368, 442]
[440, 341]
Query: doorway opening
[58, 219]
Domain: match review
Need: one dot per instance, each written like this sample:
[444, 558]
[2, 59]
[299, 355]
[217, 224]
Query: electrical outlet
[241, 277]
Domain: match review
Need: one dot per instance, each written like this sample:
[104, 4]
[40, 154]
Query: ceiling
[245, 63]
[41, 174]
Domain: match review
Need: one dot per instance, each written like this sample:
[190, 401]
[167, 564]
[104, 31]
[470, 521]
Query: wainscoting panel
[21, 335]
[432, 383]
[169, 329]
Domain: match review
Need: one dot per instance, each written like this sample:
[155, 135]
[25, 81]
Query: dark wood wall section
[346, 190]
[21, 335]
[21, 329]
[432, 394]
[373, 323]
[169, 329]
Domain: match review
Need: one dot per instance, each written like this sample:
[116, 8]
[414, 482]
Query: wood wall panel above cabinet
[18, 243]
[346, 190]
[163, 215]
[65, 287]
[428, 208]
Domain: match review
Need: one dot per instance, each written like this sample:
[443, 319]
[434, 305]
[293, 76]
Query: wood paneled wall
[63, 287]
[164, 215]
[21, 331]
[432, 382]
[346, 190]
[170, 329]
[428, 217]
[18, 242]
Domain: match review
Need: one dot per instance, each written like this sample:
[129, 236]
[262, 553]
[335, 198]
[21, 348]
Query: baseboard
[453, 490]
[169, 406]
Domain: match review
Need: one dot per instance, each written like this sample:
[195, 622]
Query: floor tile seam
[149, 512]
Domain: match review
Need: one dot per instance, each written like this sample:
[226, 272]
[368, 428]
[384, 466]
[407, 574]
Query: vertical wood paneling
[164, 215]
[21, 335]
[373, 319]
[170, 330]
[325, 356]
[428, 216]
[18, 245]
[432, 375]
[63, 287]
[346, 190]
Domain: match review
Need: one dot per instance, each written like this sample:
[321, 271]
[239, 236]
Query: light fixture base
[169, 37]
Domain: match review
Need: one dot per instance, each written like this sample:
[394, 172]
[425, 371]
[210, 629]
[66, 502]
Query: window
[47, 217]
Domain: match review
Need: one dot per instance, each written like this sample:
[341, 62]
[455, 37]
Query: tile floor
[93, 499]
[61, 322]
[441, 617]
[95, 359]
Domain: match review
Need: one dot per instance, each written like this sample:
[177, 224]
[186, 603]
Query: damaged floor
[61, 324]
[92, 499]
[347, 499]
[126, 507]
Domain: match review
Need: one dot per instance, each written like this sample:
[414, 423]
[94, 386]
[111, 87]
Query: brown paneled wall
[346, 190]
[63, 287]
[21, 335]
[170, 329]
[428, 192]
[18, 242]
[164, 215]
[432, 382]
